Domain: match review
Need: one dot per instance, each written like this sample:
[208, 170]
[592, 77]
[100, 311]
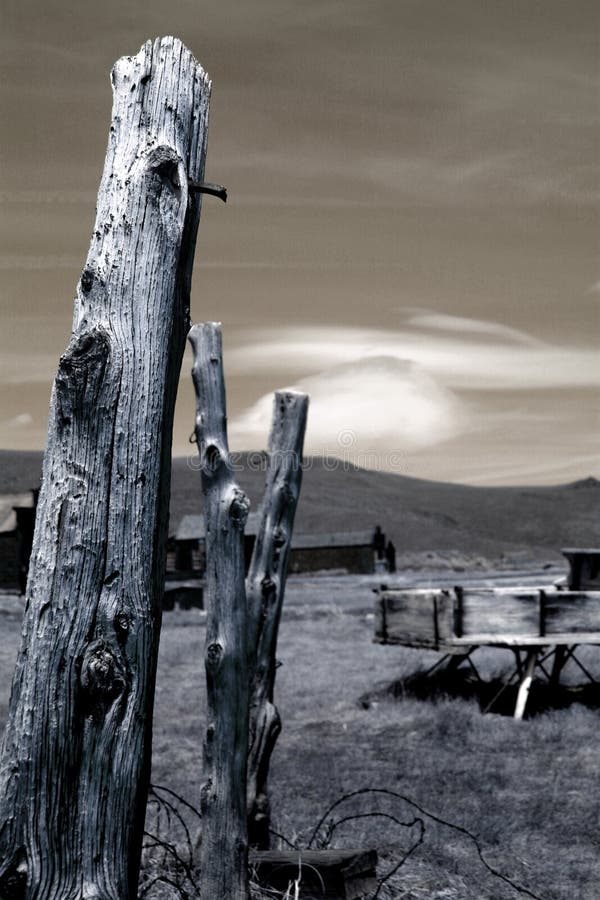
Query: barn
[352, 551]
[17, 520]
[347, 551]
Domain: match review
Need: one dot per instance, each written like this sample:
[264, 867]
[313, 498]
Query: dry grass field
[527, 790]
[356, 715]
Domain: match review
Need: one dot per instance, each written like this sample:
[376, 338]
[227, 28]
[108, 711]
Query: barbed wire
[173, 868]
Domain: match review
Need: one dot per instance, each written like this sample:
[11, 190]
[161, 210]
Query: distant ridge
[418, 515]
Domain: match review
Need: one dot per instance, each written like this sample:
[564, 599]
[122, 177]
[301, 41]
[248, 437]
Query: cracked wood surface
[265, 588]
[223, 848]
[75, 760]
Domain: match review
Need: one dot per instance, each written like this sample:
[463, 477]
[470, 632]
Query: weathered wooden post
[265, 587]
[75, 761]
[224, 842]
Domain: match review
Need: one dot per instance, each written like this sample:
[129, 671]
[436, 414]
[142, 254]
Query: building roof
[334, 539]
[191, 528]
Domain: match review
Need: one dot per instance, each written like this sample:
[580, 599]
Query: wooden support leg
[456, 659]
[560, 658]
[525, 685]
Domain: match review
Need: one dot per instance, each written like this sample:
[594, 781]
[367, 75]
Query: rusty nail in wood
[204, 187]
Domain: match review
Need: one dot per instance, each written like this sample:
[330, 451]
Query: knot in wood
[13, 884]
[268, 590]
[214, 653]
[87, 280]
[164, 169]
[81, 374]
[87, 350]
[102, 678]
[211, 457]
[122, 625]
[239, 508]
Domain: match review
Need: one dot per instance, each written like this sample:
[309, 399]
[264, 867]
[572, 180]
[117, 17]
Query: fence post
[224, 841]
[75, 761]
[265, 591]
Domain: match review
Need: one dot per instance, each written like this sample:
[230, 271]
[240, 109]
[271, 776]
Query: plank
[512, 640]
[331, 874]
[409, 617]
[506, 611]
[571, 612]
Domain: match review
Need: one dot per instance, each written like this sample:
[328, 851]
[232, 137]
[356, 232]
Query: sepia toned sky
[412, 233]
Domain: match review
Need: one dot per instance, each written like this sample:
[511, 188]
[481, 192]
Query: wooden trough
[460, 620]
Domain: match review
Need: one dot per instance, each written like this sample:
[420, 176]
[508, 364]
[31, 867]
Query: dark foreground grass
[527, 790]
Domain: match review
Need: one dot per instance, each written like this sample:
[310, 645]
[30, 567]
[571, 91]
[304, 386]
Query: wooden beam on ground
[321, 874]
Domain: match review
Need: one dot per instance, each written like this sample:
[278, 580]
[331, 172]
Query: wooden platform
[322, 874]
[457, 621]
[506, 617]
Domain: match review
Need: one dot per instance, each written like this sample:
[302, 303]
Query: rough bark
[223, 853]
[265, 589]
[75, 761]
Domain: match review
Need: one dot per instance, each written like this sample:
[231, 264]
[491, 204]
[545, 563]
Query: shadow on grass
[493, 695]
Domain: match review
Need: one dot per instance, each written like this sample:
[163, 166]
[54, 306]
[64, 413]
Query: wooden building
[352, 552]
[584, 568]
[17, 520]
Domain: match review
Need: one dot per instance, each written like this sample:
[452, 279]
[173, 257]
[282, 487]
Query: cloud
[388, 399]
[453, 358]
[479, 327]
[22, 420]
[38, 368]
[369, 407]
[28, 263]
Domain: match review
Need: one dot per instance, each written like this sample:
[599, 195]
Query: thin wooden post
[265, 590]
[224, 841]
[76, 754]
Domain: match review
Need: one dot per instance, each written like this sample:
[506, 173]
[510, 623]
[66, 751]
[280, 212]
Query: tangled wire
[168, 861]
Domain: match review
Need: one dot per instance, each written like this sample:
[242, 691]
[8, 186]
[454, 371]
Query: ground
[527, 790]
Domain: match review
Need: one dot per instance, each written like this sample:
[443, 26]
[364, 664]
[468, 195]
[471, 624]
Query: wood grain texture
[265, 588]
[75, 759]
[572, 612]
[409, 617]
[223, 848]
[496, 616]
[507, 611]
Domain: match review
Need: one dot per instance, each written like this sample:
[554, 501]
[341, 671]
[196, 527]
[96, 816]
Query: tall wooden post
[224, 840]
[265, 591]
[75, 761]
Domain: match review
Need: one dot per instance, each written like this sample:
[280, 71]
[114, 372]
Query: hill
[418, 515]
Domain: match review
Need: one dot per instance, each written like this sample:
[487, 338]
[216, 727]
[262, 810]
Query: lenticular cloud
[365, 407]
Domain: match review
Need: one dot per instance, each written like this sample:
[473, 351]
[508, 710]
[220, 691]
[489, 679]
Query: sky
[412, 233]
